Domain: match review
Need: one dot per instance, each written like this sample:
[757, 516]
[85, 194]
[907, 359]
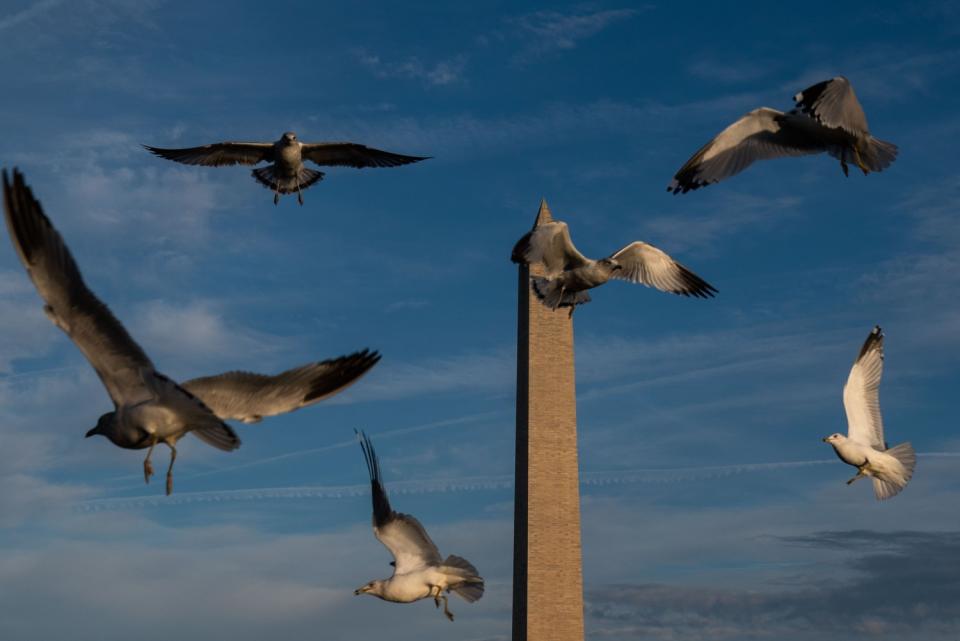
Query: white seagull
[419, 570]
[286, 173]
[569, 274]
[864, 446]
[150, 408]
[827, 118]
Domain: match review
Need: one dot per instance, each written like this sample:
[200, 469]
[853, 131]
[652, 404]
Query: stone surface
[547, 567]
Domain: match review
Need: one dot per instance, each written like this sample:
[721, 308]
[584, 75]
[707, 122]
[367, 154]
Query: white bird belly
[413, 586]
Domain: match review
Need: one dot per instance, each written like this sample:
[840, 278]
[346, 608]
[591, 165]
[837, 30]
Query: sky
[710, 506]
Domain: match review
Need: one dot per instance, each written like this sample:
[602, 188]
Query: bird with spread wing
[864, 446]
[286, 172]
[827, 118]
[569, 274]
[419, 572]
[150, 408]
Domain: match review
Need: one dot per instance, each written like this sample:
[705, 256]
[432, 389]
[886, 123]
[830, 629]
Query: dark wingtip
[874, 339]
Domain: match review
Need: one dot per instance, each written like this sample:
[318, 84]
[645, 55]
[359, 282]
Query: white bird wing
[861, 394]
[219, 154]
[550, 245]
[350, 154]
[647, 265]
[758, 135]
[833, 104]
[118, 360]
[402, 534]
[248, 397]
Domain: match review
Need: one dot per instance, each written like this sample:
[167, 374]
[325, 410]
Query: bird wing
[349, 154]
[550, 245]
[119, 362]
[647, 265]
[861, 394]
[758, 135]
[248, 397]
[193, 412]
[402, 534]
[833, 104]
[218, 154]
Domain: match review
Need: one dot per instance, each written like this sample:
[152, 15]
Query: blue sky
[710, 507]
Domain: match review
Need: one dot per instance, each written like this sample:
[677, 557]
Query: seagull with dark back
[569, 274]
[827, 118]
[286, 172]
[419, 572]
[150, 408]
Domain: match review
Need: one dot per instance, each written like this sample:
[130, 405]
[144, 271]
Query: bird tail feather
[549, 291]
[895, 480]
[267, 176]
[470, 588]
[877, 155]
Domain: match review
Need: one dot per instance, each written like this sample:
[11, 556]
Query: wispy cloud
[439, 73]
[551, 31]
[29, 13]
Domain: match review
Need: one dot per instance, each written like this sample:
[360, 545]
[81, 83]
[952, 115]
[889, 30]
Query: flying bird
[827, 118]
[864, 446]
[419, 571]
[569, 274]
[150, 408]
[286, 172]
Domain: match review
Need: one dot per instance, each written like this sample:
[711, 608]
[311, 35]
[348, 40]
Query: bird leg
[446, 610]
[173, 457]
[572, 307]
[276, 190]
[856, 153]
[147, 465]
[563, 288]
[846, 170]
[859, 475]
[299, 193]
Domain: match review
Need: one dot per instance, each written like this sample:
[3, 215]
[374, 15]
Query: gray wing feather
[402, 534]
[349, 154]
[762, 134]
[248, 397]
[550, 245]
[647, 265]
[861, 394]
[834, 104]
[218, 154]
[117, 358]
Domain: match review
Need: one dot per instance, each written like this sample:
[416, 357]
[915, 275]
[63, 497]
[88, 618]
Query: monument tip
[543, 215]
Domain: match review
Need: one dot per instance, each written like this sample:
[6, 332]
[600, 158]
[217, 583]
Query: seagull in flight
[864, 446]
[569, 274]
[150, 408]
[286, 172]
[419, 571]
[827, 118]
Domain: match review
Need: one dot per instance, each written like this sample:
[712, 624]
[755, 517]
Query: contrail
[464, 484]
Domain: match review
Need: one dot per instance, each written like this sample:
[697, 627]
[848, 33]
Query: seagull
[827, 117]
[150, 408]
[864, 447]
[569, 274]
[419, 571]
[286, 173]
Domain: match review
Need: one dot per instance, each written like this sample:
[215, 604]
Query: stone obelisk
[547, 566]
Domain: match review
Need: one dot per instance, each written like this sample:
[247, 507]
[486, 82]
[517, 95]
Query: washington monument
[547, 566]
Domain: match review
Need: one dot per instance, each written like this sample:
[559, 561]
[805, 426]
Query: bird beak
[826, 439]
[359, 591]
[92, 432]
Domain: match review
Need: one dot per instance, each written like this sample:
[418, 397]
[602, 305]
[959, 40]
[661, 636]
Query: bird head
[834, 438]
[104, 423]
[289, 137]
[374, 587]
